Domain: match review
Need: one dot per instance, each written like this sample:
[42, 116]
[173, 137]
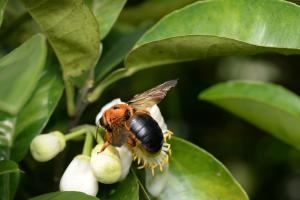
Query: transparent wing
[153, 96]
[119, 136]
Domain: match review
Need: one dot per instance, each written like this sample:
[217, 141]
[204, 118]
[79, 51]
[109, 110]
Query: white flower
[46, 146]
[106, 165]
[126, 160]
[79, 177]
[106, 107]
[156, 184]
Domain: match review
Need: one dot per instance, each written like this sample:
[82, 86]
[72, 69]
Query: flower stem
[88, 144]
[75, 134]
[70, 94]
[98, 137]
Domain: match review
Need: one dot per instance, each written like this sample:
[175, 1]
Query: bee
[131, 123]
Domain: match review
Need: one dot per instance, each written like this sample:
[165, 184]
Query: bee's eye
[127, 114]
[102, 122]
[116, 107]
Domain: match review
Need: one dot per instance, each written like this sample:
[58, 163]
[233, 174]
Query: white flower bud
[157, 116]
[126, 160]
[79, 177]
[156, 184]
[106, 165]
[106, 107]
[44, 147]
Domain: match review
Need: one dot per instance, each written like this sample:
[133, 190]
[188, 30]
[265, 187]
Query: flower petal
[157, 116]
[156, 184]
[126, 160]
[79, 177]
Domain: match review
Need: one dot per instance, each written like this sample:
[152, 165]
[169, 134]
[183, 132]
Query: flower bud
[156, 184]
[126, 160]
[79, 177]
[44, 147]
[106, 165]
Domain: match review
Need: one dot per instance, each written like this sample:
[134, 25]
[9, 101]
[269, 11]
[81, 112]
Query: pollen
[149, 160]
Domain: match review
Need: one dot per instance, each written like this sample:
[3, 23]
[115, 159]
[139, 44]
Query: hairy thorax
[117, 114]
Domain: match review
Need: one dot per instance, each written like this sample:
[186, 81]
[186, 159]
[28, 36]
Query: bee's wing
[153, 96]
[120, 136]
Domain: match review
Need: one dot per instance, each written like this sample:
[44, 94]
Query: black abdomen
[147, 131]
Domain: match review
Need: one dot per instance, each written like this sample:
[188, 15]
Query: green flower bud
[79, 177]
[44, 147]
[106, 165]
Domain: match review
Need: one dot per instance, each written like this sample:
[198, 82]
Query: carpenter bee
[131, 123]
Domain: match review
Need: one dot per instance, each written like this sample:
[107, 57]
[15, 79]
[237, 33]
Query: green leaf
[7, 128]
[151, 10]
[267, 106]
[73, 33]
[195, 174]
[2, 8]
[218, 28]
[25, 62]
[64, 196]
[106, 13]
[9, 178]
[8, 166]
[214, 28]
[34, 117]
[128, 189]
[116, 47]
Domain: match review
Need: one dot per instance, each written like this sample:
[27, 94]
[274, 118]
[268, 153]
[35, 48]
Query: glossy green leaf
[73, 33]
[214, 28]
[128, 189]
[25, 62]
[195, 174]
[9, 178]
[218, 28]
[35, 115]
[65, 196]
[268, 106]
[2, 8]
[8, 166]
[16, 132]
[151, 10]
[116, 47]
[7, 128]
[106, 13]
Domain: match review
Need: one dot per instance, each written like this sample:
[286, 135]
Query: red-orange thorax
[116, 115]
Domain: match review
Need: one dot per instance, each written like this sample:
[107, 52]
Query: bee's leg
[104, 146]
[132, 140]
[167, 135]
[108, 140]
